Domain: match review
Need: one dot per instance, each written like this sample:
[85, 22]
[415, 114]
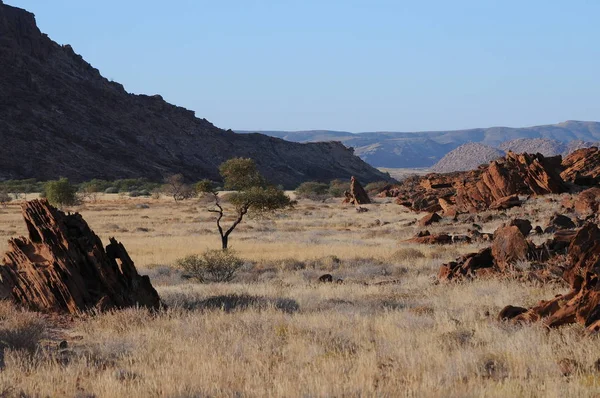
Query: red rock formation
[509, 246]
[471, 265]
[582, 167]
[495, 186]
[426, 238]
[357, 195]
[429, 219]
[587, 202]
[516, 174]
[63, 267]
[582, 304]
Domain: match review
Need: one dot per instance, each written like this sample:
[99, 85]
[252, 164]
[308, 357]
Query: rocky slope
[467, 157]
[60, 117]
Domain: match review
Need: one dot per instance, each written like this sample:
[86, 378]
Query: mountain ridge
[60, 117]
[426, 148]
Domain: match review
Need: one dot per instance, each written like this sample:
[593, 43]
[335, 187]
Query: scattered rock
[427, 238]
[569, 366]
[468, 266]
[509, 246]
[523, 225]
[63, 267]
[587, 202]
[559, 222]
[429, 219]
[582, 304]
[510, 312]
[506, 202]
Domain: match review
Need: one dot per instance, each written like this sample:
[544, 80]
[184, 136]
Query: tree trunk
[224, 241]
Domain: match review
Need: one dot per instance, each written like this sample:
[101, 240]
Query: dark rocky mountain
[60, 117]
[425, 149]
[467, 157]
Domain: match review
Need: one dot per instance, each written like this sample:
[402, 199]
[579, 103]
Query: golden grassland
[388, 330]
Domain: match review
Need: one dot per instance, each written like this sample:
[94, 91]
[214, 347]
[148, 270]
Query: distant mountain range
[425, 149]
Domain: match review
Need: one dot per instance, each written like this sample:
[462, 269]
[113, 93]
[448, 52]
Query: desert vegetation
[271, 329]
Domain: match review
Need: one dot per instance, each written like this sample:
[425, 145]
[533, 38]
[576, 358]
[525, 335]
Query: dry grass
[275, 332]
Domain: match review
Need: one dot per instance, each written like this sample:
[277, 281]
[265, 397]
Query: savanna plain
[390, 329]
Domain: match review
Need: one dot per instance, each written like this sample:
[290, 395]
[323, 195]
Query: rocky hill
[425, 149]
[544, 146]
[60, 117]
[467, 157]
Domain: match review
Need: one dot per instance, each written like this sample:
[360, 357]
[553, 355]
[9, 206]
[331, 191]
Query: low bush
[60, 192]
[338, 187]
[376, 187]
[312, 190]
[211, 266]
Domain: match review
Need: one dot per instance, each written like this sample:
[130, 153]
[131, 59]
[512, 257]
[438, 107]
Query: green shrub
[4, 198]
[338, 187]
[60, 192]
[312, 190]
[376, 187]
[211, 266]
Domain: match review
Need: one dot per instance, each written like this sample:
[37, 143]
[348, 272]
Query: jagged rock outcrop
[62, 267]
[582, 167]
[60, 117]
[494, 186]
[582, 304]
[515, 174]
[357, 194]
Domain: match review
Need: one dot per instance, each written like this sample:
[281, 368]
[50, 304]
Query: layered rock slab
[62, 267]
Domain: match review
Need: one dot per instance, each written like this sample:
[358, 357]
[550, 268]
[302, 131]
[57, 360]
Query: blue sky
[345, 65]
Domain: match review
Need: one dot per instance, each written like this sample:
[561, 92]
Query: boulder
[586, 203]
[62, 267]
[505, 203]
[559, 222]
[357, 194]
[467, 266]
[509, 246]
[427, 238]
[429, 219]
[523, 225]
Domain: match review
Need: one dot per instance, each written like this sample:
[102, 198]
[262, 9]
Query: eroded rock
[582, 167]
[62, 267]
[357, 194]
[582, 304]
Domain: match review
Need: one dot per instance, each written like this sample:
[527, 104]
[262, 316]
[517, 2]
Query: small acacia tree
[176, 187]
[252, 194]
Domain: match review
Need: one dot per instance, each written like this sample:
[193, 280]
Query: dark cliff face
[60, 117]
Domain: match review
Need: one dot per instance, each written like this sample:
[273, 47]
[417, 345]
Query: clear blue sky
[344, 64]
